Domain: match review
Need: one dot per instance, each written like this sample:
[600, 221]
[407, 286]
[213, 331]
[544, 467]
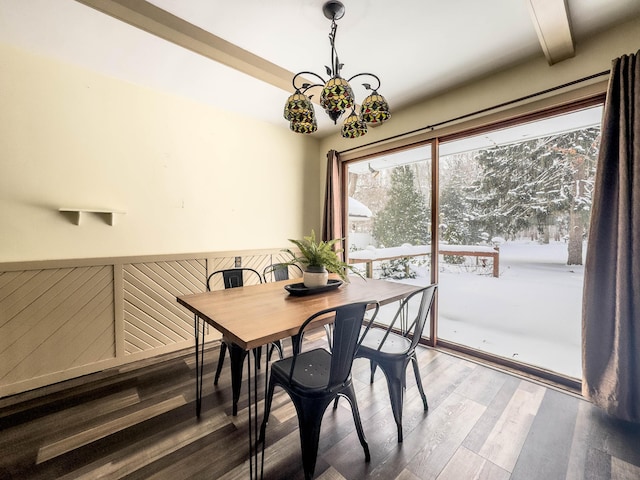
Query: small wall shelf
[76, 213]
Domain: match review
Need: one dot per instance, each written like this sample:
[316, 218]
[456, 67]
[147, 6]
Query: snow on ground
[531, 313]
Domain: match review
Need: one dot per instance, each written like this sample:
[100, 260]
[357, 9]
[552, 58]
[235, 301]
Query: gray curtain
[332, 219]
[611, 302]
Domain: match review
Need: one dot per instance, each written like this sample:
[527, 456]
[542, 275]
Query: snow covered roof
[358, 209]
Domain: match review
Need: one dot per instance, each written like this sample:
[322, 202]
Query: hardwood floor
[138, 422]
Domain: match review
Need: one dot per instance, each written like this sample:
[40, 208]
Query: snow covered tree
[457, 172]
[580, 149]
[405, 216]
[537, 182]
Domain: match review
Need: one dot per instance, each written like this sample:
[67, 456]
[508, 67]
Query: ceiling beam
[154, 20]
[551, 21]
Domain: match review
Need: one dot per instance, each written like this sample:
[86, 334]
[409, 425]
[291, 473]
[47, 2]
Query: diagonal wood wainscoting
[152, 318]
[67, 318]
[53, 320]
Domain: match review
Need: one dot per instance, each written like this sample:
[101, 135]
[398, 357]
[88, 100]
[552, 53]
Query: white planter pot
[315, 277]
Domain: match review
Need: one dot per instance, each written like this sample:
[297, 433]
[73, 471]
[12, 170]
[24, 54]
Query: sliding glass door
[514, 207]
[524, 191]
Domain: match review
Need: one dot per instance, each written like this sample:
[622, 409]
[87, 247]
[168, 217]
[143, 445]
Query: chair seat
[393, 345]
[311, 371]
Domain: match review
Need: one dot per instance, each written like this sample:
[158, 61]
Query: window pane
[389, 218]
[525, 191]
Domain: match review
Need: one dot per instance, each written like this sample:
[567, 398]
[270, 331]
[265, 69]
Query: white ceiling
[418, 48]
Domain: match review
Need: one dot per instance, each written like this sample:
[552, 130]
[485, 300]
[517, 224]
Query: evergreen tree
[533, 183]
[457, 172]
[405, 216]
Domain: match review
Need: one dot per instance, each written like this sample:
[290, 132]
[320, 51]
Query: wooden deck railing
[395, 253]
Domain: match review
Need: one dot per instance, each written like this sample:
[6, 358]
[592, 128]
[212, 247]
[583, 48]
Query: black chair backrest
[279, 271]
[233, 277]
[407, 327]
[347, 324]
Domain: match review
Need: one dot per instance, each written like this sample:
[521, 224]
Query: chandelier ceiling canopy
[336, 96]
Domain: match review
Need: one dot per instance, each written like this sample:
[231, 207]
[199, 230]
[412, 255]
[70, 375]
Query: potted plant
[318, 259]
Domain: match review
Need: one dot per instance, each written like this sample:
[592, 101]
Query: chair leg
[328, 328]
[416, 371]
[310, 415]
[374, 365]
[237, 355]
[257, 353]
[396, 385]
[277, 345]
[350, 395]
[296, 341]
[223, 352]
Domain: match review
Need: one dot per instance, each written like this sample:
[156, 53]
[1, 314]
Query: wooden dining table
[256, 315]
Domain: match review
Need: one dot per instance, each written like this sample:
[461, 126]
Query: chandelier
[336, 96]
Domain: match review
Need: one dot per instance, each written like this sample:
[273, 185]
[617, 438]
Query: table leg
[199, 362]
[256, 455]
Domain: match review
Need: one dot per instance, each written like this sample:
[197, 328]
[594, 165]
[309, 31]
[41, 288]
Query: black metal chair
[393, 347]
[232, 278]
[315, 378]
[278, 271]
[275, 273]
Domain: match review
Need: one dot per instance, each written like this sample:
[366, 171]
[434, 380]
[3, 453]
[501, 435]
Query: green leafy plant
[397, 269]
[320, 254]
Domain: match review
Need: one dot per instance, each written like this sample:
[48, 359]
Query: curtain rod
[484, 110]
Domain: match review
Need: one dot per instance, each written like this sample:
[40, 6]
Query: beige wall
[190, 178]
[186, 174]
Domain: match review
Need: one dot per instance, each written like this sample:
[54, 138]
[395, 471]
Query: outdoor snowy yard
[531, 313]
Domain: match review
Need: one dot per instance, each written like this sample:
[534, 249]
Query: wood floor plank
[74, 414]
[428, 448]
[159, 446]
[550, 437]
[482, 386]
[621, 439]
[621, 470]
[468, 465]
[597, 438]
[388, 458]
[450, 424]
[207, 458]
[579, 446]
[406, 475]
[138, 422]
[80, 439]
[483, 428]
[597, 465]
[276, 465]
[331, 474]
[279, 466]
[504, 444]
[340, 446]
